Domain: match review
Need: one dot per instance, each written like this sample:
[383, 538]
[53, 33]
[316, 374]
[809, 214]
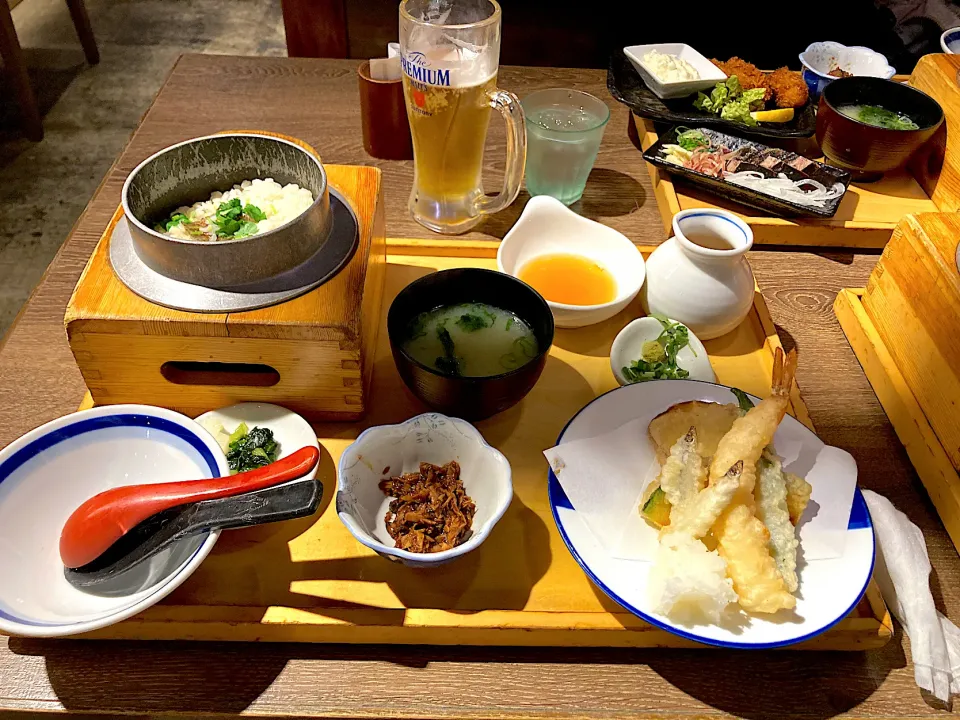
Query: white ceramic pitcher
[700, 276]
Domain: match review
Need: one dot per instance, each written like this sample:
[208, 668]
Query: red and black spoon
[118, 529]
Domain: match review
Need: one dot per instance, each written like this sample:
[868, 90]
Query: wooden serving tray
[310, 581]
[869, 212]
[866, 217]
[926, 452]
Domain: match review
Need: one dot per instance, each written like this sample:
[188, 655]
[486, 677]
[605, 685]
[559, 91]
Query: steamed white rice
[280, 204]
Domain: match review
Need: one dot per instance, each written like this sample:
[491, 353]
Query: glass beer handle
[508, 105]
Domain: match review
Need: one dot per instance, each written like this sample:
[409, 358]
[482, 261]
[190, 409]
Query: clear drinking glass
[564, 130]
[450, 53]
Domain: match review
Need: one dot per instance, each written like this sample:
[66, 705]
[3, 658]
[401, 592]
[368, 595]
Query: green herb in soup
[470, 340]
[878, 117]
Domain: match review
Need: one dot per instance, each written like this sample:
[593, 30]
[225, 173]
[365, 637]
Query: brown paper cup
[383, 114]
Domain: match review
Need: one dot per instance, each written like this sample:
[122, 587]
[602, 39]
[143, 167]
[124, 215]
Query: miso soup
[470, 340]
[878, 117]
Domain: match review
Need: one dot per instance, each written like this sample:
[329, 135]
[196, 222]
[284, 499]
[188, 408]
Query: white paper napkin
[385, 68]
[604, 478]
[903, 573]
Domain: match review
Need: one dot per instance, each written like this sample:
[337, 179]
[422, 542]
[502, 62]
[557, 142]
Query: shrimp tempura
[742, 538]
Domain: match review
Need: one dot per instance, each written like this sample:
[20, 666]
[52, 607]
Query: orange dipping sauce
[569, 279]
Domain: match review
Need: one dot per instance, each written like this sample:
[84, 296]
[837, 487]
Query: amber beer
[449, 54]
[449, 127]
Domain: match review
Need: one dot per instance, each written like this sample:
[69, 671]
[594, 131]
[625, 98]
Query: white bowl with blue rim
[829, 588]
[820, 58]
[390, 450]
[950, 41]
[49, 472]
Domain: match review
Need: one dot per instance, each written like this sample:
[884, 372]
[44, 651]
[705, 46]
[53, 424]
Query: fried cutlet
[748, 74]
[789, 89]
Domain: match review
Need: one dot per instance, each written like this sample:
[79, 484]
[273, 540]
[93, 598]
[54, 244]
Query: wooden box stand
[913, 300]
[312, 354]
[869, 212]
[905, 329]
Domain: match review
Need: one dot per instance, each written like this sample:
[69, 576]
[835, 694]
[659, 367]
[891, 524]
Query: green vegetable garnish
[523, 347]
[471, 322]
[881, 117]
[240, 432]
[737, 111]
[691, 139]
[251, 449]
[745, 403]
[176, 219]
[247, 228]
[227, 217]
[232, 220]
[527, 345]
[447, 363]
[235, 220]
[510, 321]
[418, 326]
[254, 213]
[671, 341]
[731, 102]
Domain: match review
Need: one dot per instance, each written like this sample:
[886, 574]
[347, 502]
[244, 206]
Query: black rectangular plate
[777, 206]
[626, 86]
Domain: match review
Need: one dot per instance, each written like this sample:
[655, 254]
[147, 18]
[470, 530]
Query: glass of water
[564, 130]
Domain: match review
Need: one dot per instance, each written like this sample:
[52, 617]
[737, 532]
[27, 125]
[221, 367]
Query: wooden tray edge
[929, 459]
[494, 627]
[766, 230]
[419, 627]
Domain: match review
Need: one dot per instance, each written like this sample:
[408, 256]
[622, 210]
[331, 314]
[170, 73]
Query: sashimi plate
[830, 587]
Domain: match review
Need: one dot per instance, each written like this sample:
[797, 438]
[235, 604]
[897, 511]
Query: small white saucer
[289, 429]
[628, 346]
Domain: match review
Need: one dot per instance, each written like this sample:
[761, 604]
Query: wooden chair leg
[16, 68]
[81, 21]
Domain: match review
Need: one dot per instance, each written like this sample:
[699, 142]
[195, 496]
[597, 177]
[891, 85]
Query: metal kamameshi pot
[188, 172]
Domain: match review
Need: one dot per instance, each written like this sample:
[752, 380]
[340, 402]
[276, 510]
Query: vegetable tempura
[747, 510]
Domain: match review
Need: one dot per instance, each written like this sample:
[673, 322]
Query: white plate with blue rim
[829, 588]
[46, 474]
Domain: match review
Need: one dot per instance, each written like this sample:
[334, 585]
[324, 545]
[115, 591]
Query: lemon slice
[781, 115]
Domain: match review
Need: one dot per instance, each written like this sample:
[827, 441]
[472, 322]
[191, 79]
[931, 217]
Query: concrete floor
[90, 112]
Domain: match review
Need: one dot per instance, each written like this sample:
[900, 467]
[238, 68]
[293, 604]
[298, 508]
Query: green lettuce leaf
[754, 98]
[737, 111]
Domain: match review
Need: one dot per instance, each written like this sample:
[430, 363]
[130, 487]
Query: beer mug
[450, 52]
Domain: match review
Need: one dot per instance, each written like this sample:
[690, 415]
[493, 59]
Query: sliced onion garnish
[802, 192]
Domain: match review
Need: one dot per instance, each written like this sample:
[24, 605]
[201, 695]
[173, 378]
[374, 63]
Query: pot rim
[132, 218]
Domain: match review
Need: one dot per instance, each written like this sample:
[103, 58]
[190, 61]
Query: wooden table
[317, 101]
